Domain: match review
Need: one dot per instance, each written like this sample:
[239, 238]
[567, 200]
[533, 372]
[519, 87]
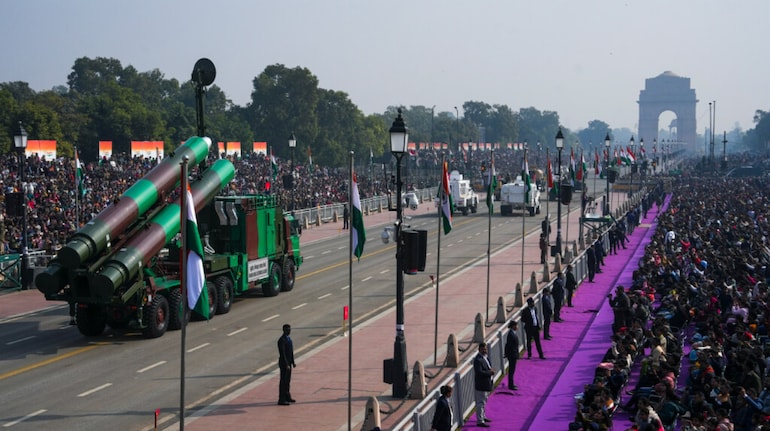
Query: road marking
[49, 361]
[384, 271]
[367, 278]
[345, 287]
[31, 415]
[299, 306]
[198, 348]
[96, 389]
[238, 331]
[450, 245]
[460, 240]
[325, 296]
[326, 252]
[149, 367]
[267, 319]
[20, 340]
[308, 257]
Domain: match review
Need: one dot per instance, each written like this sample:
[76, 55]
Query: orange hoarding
[229, 148]
[149, 149]
[41, 148]
[260, 147]
[105, 150]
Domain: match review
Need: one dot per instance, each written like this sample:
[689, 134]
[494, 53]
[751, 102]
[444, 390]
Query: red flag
[550, 173]
[596, 162]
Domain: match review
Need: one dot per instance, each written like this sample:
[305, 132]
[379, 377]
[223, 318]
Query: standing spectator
[543, 247]
[570, 284]
[285, 363]
[547, 312]
[512, 351]
[545, 227]
[442, 418]
[557, 293]
[345, 216]
[621, 307]
[482, 372]
[591, 263]
[532, 328]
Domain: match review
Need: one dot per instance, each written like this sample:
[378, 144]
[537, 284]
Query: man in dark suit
[591, 262]
[482, 374]
[570, 284]
[285, 364]
[557, 294]
[532, 328]
[512, 351]
[548, 307]
[442, 418]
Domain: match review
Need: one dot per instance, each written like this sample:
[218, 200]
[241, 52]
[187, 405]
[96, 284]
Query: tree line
[103, 100]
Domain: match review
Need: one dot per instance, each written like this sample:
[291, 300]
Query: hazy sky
[585, 59]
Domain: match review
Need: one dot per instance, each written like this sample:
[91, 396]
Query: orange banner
[42, 148]
[105, 150]
[260, 147]
[148, 149]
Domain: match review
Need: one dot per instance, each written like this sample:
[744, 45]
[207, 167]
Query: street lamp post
[20, 142]
[606, 211]
[399, 136]
[631, 169]
[292, 145]
[559, 146]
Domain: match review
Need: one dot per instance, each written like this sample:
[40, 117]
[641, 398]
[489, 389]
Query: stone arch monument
[668, 92]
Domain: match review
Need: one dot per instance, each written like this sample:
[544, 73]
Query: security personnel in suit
[512, 351]
[532, 327]
[285, 364]
[442, 418]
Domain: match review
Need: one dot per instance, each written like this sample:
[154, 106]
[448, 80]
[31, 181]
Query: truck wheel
[473, 209]
[156, 317]
[177, 315]
[211, 289]
[537, 211]
[532, 212]
[91, 320]
[225, 294]
[289, 272]
[272, 286]
[465, 211]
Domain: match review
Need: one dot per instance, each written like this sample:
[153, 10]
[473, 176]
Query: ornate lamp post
[20, 142]
[292, 145]
[559, 146]
[606, 211]
[399, 136]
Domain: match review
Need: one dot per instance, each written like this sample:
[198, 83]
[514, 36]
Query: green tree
[284, 101]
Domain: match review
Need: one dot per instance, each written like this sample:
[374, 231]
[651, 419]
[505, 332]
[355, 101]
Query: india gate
[668, 92]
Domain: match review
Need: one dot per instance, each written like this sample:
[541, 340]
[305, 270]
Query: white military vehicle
[513, 196]
[463, 196]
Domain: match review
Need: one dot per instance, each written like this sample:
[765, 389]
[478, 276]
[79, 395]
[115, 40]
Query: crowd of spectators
[55, 209]
[698, 336]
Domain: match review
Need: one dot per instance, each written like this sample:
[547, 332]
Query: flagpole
[489, 223]
[438, 259]
[523, 214]
[77, 190]
[350, 295]
[182, 283]
[548, 190]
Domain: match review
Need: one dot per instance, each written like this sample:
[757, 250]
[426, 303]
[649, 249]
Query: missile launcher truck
[121, 269]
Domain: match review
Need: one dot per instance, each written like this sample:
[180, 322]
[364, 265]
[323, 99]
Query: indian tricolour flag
[357, 221]
[273, 164]
[446, 201]
[197, 295]
[79, 177]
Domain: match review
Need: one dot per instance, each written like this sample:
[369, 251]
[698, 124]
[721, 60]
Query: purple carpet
[547, 388]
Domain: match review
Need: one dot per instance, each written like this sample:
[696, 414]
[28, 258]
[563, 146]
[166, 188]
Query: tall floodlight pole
[639, 167]
[559, 146]
[292, 145]
[398, 139]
